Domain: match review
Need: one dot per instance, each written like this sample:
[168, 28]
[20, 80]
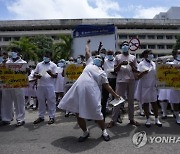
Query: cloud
[63, 9]
[148, 13]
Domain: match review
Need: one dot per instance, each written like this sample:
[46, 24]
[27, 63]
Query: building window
[151, 46]
[160, 36]
[142, 36]
[132, 36]
[160, 46]
[169, 46]
[151, 37]
[7, 39]
[122, 36]
[143, 47]
[16, 38]
[169, 37]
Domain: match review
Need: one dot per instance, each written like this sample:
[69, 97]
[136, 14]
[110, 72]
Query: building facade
[156, 34]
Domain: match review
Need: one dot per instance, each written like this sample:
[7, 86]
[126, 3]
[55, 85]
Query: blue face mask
[14, 55]
[61, 64]
[1, 59]
[79, 60]
[178, 57]
[93, 57]
[102, 55]
[125, 48]
[150, 57]
[110, 57]
[46, 59]
[97, 62]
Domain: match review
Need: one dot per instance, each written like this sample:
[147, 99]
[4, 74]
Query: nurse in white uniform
[175, 94]
[13, 96]
[146, 89]
[84, 97]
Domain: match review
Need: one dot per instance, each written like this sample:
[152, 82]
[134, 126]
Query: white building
[157, 34]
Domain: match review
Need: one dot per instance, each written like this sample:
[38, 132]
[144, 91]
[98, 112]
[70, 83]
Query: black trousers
[105, 95]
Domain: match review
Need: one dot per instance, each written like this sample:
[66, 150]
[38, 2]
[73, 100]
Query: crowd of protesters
[107, 75]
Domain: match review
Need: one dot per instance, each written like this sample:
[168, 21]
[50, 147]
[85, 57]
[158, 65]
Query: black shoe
[133, 122]
[20, 123]
[164, 117]
[142, 114]
[4, 123]
[106, 138]
[159, 125]
[83, 138]
[51, 121]
[148, 125]
[66, 115]
[38, 120]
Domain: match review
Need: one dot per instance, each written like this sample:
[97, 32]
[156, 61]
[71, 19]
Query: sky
[82, 9]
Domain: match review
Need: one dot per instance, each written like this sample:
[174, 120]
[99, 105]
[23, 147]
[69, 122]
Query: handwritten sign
[168, 76]
[73, 71]
[13, 75]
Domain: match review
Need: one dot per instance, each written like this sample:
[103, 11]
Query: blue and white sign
[93, 30]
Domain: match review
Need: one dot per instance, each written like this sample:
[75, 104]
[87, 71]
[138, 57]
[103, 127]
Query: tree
[43, 43]
[28, 50]
[62, 49]
[177, 45]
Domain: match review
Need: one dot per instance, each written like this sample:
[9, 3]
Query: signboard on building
[96, 33]
[168, 76]
[13, 75]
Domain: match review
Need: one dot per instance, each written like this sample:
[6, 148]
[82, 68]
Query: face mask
[178, 57]
[97, 62]
[125, 48]
[93, 57]
[46, 59]
[150, 57]
[1, 59]
[110, 57]
[14, 55]
[102, 55]
[79, 61]
[60, 64]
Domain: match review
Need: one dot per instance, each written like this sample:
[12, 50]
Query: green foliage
[43, 43]
[62, 49]
[28, 50]
[33, 48]
[177, 45]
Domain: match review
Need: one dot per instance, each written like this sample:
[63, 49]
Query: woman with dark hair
[146, 89]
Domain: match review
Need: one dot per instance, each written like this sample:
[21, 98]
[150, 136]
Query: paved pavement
[61, 137]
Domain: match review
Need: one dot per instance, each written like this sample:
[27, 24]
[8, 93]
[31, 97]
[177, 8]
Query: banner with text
[13, 75]
[168, 76]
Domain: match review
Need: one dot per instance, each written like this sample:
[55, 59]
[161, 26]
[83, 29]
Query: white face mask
[14, 55]
[60, 64]
[110, 57]
[125, 48]
[150, 57]
[79, 60]
[178, 57]
[102, 55]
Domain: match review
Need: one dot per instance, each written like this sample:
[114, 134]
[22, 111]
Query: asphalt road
[62, 137]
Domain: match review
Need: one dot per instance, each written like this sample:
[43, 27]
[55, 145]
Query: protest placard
[72, 72]
[13, 75]
[168, 75]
